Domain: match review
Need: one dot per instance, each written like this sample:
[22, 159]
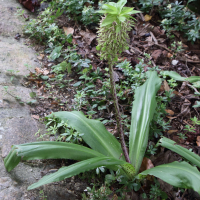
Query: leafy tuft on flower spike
[114, 28]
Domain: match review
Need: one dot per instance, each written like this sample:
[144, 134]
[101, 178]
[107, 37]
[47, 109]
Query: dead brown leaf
[166, 86]
[146, 164]
[147, 18]
[198, 141]
[171, 112]
[40, 57]
[87, 36]
[68, 30]
[172, 131]
[38, 71]
[156, 54]
[45, 72]
[35, 116]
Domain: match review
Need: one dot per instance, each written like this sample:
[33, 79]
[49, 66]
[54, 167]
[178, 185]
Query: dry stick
[154, 38]
[118, 118]
[193, 88]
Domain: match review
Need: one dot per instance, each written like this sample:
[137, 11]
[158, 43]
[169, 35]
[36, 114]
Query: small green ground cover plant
[105, 149]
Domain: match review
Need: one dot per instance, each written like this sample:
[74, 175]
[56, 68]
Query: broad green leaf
[130, 11]
[77, 168]
[94, 133]
[193, 79]
[111, 7]
[170, 144]
[56, 53]
[47, 150]
[109, 20]
[181, 175]
[120, 4]
[104, 7]
[101, 11]
[122, 18]
[44, 77]
[32, 94]
[173, 75]
[126, 10]
[196, 84]
[177, 77]
[142, 113]
[133, 12]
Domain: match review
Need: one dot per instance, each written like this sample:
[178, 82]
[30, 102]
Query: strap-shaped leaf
[47, 150]
[77, 168]
[170, 144]
[178, 77]
[142, 112]
[181, 175]
[95, 133]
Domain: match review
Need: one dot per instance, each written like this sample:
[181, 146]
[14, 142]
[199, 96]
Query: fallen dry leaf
[40, 57]
[68, 30]
[166, 86]
[171, 112]
[45, 72]
[87, 36]
[198, 141]
[172, 131]
[169, 55]
[38, 71]
[147, 18]
[35, 116]
[156, 54]
[171, 117]
[146, 164]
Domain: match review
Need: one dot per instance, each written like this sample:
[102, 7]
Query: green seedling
[182, 136]
[195, 121]
[189, 128]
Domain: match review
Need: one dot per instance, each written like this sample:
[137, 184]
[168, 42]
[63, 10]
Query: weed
[102, 193]
[189, 128]
[182, 136]
[151, 150]
[42, 195]
[155, 192]
[195, 121]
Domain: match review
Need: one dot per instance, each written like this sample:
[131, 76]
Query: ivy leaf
[32, 94]
[56, 53]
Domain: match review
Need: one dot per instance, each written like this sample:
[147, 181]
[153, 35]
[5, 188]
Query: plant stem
[117, 112]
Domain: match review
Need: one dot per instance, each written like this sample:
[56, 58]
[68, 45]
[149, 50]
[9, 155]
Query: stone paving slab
[16, 124]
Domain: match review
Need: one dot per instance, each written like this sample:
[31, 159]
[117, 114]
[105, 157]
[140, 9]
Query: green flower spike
[112, 41]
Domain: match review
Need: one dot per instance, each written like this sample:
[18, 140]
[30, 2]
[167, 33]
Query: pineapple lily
[112, 41]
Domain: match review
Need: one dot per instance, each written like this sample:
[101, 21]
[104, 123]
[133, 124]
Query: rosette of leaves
[113, 31]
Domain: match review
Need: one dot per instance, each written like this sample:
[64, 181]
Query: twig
[134, 49]
[193, 88]
[189, 61]
[154, 38]
[164, 48]
[141, 15]
[187, 67]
